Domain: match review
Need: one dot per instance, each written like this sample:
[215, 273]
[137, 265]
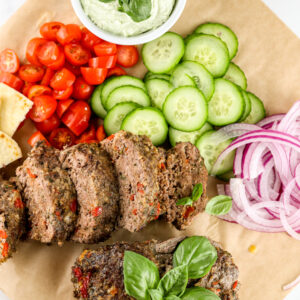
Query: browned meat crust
[11, 219]
[93, 175]
[183, 169]
[136, 163]
[49, 195]
[98, 274]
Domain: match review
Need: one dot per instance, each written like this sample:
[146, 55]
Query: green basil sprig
[219, 205]
[137, 10]
[196, 194]
[106, 1]
[198, 254]
[199, 293]
[140, 275]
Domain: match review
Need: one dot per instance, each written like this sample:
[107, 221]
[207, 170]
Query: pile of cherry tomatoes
[64, 65]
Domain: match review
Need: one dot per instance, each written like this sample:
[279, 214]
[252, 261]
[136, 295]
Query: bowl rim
[132, 40]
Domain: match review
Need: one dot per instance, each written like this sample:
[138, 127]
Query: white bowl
[132, 40]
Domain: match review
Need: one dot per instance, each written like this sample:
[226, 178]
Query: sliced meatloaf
[49, 194]
[184, 169]
[12, 223]
[98, 274]
[136, 162]
[94, 177]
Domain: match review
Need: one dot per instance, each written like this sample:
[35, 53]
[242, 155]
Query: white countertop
[286, 10]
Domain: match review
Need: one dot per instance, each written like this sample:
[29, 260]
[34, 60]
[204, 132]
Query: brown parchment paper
[269, 55]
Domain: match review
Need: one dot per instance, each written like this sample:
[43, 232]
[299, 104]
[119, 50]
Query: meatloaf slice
[185, 169]
[49, 194]
[12, 224]
[98, 274]
[93, 174]
[136, 163]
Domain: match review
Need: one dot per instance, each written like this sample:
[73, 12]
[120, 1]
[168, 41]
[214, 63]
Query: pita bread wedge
[9, 150]
[13, 110]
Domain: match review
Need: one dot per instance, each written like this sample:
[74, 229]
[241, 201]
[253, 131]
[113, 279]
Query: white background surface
[287, 10]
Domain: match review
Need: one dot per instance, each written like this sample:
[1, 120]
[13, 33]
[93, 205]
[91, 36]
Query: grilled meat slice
[49, 195]
[93, 175]
[184, 168]
[98, 274]
[136, 163]
[12, 224]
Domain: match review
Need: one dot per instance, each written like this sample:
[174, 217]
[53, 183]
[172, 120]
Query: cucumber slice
[164, 53]
[127, 93]
[224, 33]
[96, 103]
[226, 105]
[149, 75]
[226, 176]
[209, 51]
[116, 82]
[185, 109]
[195, 73]
[258, 111]
[158, 90]
[247, 106]
[147, 121]
[115, 117]
[236, 75]
[210, 149]
[177, 136]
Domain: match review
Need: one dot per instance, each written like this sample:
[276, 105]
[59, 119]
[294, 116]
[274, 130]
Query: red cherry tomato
[48, 125]
[62, 106]
[82, 90]
[61, 137]
[36, 137]
[64, 94]
[26, 88]
[38, 90]
[31, 73]
[116, 71]
[59, 63]
[9, 61]
[68, 34]
[74, 69]
[32, 50]
[128, 56]
[76, 54]
[105, 48]
[88, 39]
[100, 134]
[11, 80]
[43, 108]
[62, 79]
[87, 135]
[49, 30]
[77, 117]
[103, 61]
[47, 77]
[48, 53]
[94, 76]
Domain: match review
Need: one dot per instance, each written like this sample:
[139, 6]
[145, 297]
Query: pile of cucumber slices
[191, 88]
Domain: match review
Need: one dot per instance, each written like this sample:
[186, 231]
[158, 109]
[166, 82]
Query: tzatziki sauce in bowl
[128, 22]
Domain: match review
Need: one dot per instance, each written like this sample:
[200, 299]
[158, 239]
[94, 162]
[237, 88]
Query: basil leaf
[140, 275]
[185, 201]
[219, 205]
[199, 293]
[156, 295]
[174, 282]
[172, 298]
[197, 192]
[137, 10]
[106, 1]
[198, 254]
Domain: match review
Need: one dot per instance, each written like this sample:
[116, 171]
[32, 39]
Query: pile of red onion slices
[266, 187]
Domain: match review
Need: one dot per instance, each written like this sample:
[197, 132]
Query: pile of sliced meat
[87, 191]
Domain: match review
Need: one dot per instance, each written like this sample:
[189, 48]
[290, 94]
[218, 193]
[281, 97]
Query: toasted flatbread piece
[9, 150]
[14, 109]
